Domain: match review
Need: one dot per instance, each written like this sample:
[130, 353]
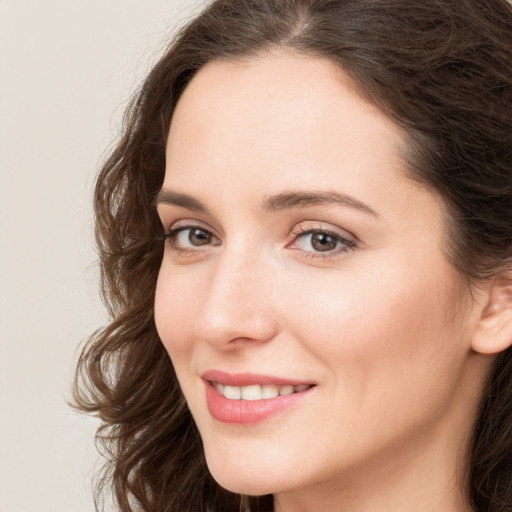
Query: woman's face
[302, 260]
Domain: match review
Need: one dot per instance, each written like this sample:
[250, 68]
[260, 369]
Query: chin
[246, 476]
[248, 487]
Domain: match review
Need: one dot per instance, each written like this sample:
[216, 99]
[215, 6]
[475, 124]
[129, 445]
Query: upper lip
[248, 379]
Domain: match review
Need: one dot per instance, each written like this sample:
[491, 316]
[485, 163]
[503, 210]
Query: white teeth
[286, 390]
[233, 392]
[269, 391]
[251, 392]
[257, 392]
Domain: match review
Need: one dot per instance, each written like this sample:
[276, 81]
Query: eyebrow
[170, 197]
[283, 201]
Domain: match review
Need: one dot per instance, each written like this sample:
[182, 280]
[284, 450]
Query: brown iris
[199, 237]
[323, 242]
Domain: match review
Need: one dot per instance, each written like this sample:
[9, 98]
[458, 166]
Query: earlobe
[493, 332]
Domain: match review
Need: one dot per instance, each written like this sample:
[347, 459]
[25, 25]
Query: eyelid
[345, 240]
[182, 224]
[179, 229]
[306, 227]
[348, 241]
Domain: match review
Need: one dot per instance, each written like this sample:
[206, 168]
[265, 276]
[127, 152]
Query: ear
[493, 332]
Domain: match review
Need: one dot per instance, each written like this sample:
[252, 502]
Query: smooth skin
[354, 293]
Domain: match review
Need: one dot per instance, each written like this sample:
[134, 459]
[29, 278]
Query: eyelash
[346, 244]
[170, 236]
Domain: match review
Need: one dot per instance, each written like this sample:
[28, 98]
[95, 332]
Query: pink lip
[248, 379]
[244, 412]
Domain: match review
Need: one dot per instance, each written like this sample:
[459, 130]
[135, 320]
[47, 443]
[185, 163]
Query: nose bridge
[236, 303]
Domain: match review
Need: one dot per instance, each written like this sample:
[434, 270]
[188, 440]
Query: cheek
[380, 335]
[176, 302]
[364, 313]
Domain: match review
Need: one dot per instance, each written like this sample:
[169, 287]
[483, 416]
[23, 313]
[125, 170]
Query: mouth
[255, 392]
[249, 398]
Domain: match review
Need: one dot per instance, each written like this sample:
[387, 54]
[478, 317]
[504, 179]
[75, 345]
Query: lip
[249, 379]
[246, 412]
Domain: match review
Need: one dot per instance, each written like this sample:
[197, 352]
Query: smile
[248, 398]
[257, 391]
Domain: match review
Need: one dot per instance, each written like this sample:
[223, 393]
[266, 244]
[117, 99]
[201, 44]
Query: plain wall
[66, 69]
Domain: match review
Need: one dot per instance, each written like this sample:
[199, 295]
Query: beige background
[66, 69]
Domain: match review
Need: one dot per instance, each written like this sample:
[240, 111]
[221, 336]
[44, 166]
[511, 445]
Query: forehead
[266, 77]
[274, 90]
[279, 106]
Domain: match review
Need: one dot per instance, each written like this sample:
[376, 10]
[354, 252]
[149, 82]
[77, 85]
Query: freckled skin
[372, 325]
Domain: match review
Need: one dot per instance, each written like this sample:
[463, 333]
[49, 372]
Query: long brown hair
[442, 70]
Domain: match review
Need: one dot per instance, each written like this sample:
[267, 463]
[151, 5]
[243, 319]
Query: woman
[327, 325]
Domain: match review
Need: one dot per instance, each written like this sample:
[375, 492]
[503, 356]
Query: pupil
[199, 237]
[323, 242]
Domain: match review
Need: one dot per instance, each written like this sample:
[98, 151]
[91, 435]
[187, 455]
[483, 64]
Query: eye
[320, 242]
[185, 238]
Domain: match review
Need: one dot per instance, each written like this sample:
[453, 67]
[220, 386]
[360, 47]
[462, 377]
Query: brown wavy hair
[442, 70]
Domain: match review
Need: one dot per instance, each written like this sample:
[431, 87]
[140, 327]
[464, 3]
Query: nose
[237, 305]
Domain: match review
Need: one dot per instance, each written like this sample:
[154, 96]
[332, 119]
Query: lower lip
[244, 412]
